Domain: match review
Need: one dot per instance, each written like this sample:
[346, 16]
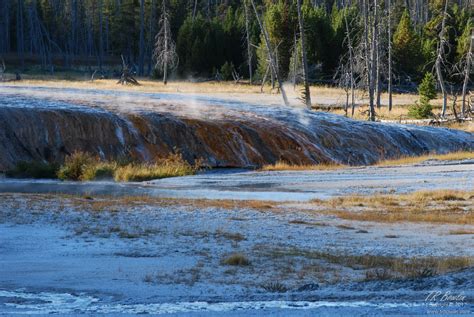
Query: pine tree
[406, 47]
[427, 88]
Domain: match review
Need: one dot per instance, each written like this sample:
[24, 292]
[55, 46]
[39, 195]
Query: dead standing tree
[307, 93]
[389, 31]
[165, 49]
[126, 78]
[373, 62]
[271, 54]
[351, 64]
[247, 36]
[440, 57]
[467, 73]
[3, 68]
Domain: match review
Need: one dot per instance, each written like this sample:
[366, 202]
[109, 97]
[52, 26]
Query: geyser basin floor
[276, 186]
[76, 255]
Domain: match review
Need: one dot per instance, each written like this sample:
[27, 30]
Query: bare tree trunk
[101, 34]
[165, 63]
[372, 61]
[141, 57]
[151, 31]
[265, 77]
[467, 72]
[195, 9]
[351, 61]
[271, 54]
[295, 54]
[390, 103]
[307, 93]
[378, 88]
[249, 45]
[439, 59]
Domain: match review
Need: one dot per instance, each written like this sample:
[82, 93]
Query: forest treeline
[212, 37]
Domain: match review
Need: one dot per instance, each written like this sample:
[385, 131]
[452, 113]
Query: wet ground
[276, 186]
[82, 255]
[61, 255]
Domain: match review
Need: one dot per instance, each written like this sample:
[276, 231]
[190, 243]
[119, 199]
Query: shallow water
[276, 186]
[22, 302]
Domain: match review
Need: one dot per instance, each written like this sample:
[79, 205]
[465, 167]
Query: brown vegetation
[236, 259]
[382, 267]
[441, 206]
[282, 166]
[454, 156]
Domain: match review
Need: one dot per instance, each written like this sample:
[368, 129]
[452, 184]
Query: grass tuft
[275, 287]
[283, 166]
[172, 166]
[236, 259]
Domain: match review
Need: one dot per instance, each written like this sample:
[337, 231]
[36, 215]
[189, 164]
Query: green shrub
[75, 165]
[226, 71]
[34, 170]
[427, 88]
[421, 110]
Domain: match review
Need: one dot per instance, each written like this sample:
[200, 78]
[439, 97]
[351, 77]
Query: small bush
[421, 110]
[236, 260]
[275, 287]
[75, 165]
[226, 71]
[34, 170]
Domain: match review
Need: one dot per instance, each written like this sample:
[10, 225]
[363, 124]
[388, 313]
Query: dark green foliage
[427, 88]
[34, 170]
[407, 48]
[199, 46]
[86, 34]
[421, 110]
[427, 91]
[226, 71]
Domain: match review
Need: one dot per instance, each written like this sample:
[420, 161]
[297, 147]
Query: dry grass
[236, 259]
[282, 166]
[461, 232]
[395, 267]
[109, 203]
[441, 206]
[172, 166]
[229, 88]
[86, 167]
[465, 126]
[454, 156]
